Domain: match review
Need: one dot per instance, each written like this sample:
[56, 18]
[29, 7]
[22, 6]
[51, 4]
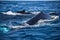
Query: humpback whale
[23, 12]
[39, 16]
[12, 15]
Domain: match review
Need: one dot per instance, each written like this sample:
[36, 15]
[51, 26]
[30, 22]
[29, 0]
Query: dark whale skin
[35, 19]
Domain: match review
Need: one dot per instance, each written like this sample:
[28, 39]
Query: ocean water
[39, 31]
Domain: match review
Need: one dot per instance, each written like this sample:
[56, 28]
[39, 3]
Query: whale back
[39, 16]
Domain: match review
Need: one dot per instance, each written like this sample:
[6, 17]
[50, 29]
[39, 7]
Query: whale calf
[39, 16]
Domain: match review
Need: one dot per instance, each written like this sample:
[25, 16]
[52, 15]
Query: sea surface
[39, 31]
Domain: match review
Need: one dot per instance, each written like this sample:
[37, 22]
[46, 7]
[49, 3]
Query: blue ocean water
[44, 31]
[30, 6]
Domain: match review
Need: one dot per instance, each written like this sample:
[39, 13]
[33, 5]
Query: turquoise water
[43, 31]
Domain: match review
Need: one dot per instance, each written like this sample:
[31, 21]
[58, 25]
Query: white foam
[35, 13]
[11, 13]
[48, 20]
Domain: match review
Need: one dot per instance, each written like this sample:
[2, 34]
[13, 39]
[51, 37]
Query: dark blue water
[30, 6]
[44, 31]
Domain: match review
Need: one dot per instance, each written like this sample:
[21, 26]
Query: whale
[11, 15]
[39, 16]
[23, 12]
